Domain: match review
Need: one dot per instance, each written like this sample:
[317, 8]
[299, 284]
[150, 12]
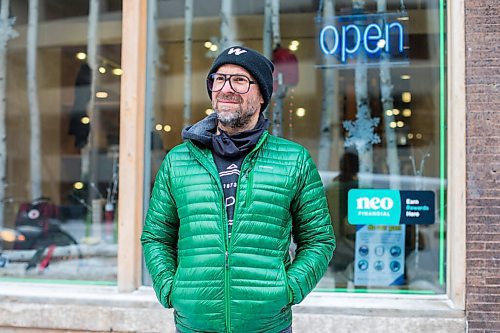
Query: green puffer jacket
[248, 285]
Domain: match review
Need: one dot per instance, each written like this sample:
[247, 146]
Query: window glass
[361, 86]
[61, 126]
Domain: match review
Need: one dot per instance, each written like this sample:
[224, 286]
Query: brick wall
[482, 21]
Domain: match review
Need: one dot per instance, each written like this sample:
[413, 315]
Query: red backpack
[39, 212]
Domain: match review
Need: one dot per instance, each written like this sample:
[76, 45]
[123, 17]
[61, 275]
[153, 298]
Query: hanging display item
[286, 63]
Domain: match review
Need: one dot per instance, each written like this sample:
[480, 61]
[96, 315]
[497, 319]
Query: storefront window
[361, 85]
[59, 162]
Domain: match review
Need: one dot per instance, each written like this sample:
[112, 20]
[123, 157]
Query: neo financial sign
[390, 207]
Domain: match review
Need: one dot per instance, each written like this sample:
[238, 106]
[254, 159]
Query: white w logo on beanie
[237, 51]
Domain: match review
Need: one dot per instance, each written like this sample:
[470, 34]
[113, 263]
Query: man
[223, 208]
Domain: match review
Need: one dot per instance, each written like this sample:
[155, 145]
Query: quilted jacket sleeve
[312, 231]
[160, 235]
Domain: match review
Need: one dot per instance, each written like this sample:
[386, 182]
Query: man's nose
[226, 87]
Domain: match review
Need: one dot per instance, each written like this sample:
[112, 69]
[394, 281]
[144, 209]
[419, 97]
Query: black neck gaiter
[236, 145]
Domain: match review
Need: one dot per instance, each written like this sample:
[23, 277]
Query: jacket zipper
[228, 250]
[226, 266]
[226, 292]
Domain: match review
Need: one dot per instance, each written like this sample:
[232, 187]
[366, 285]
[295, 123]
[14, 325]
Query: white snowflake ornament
[361, 132]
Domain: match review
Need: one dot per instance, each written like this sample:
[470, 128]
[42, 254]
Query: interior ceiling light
[406, 97]
[301, 112]
[294, 45]
[101, 94]
[81, 56]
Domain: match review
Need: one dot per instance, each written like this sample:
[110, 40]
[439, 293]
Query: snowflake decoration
[361, 132]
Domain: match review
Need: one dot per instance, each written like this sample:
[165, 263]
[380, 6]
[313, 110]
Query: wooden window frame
[131, 161]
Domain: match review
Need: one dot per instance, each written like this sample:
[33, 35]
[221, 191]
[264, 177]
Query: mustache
[229, 97]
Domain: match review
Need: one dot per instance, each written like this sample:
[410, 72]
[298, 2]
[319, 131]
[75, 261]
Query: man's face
[236, 110]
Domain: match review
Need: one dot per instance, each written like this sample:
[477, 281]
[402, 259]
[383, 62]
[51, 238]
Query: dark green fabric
[184, 238]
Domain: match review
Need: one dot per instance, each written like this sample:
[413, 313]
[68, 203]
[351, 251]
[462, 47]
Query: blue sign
[390, 207]
[418, 207]
[345, 37]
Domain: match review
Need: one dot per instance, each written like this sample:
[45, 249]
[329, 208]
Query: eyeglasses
[239, 83]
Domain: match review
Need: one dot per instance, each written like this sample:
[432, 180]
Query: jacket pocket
[174, 284]
[289, 294]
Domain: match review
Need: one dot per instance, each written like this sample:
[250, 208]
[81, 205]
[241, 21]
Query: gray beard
[236, 119]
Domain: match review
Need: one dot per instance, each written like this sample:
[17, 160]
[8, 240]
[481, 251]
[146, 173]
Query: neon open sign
[371, 34]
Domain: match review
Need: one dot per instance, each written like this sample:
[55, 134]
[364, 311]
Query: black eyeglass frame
[227, 77]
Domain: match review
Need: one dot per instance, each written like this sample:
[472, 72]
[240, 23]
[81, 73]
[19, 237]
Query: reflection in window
[61, 185]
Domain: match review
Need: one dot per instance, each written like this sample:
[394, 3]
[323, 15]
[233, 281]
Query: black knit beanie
[255, 63]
